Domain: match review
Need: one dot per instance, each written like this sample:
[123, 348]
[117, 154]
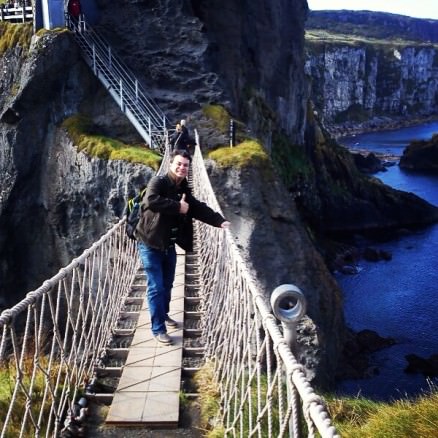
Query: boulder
[426, 366]
[368, 163]
[421, 155]
[376, 255]
[355, 361]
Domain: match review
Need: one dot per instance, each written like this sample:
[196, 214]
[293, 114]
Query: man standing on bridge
[168, 208]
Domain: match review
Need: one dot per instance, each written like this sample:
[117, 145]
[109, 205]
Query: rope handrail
[33, 296]
[74, 315]
[53, 341]
[245, 355]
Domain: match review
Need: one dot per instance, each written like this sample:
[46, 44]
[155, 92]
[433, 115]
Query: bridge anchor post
[289, 306]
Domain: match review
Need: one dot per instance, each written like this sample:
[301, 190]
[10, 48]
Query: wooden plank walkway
[148, 390]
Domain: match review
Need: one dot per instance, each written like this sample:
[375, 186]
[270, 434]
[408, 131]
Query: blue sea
[397, 298]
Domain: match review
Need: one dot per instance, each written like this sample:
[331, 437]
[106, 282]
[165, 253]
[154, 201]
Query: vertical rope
[253, 364]
[78, 309]
[52, 340]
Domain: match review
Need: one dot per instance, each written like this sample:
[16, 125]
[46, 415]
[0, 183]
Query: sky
[411, 8]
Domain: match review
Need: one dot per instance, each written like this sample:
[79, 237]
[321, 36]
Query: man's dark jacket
[161, 224]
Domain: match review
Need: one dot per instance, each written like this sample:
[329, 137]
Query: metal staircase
[139, 107]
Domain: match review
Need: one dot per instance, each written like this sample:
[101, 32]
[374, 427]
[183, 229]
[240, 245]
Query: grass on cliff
[221, 119]
[405, 418]
[259, 391]
[314, 36]
[219, 116]
[84, 135]
[12, 35]
[35, 388]
[352, 416]
[247, 153]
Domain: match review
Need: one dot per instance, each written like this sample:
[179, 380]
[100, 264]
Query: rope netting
[53, 339]
[263, 389]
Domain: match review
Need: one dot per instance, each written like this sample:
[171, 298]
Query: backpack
[133, 213]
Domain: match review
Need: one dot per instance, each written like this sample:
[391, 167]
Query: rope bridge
[259, 380]
[54, 340]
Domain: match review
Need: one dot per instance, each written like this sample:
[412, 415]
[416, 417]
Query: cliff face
[276, 245]
[355, 83]
[376, 24]
[54, 201]
[248, 55]
[372, 64]
[195, 52]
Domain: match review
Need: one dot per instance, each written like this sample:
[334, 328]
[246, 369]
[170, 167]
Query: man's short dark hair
[181, 153]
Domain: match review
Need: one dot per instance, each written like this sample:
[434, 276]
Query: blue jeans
[160, 271]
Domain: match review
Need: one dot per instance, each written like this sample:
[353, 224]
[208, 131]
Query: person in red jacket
[74, 8]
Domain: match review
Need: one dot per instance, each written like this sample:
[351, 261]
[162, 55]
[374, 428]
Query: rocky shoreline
[383, 123]
[373, 162]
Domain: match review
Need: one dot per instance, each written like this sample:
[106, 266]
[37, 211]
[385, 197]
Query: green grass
[8, 375]
[353, 417]
[319, 35]
[247, 153]
[209, 400]
[359, 417]
[219, 115]
[258, 392]
[12, 35]
[87, 139]
[220, 118]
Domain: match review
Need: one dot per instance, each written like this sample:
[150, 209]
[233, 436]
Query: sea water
[397, 298]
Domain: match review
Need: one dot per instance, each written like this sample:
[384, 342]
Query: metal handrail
[22, 13]
[117, 77]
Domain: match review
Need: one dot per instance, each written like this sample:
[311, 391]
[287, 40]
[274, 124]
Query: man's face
[180, 166]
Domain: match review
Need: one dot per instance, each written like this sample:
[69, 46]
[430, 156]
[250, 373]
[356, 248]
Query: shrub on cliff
[12, 35]
[247, 153]
[87, 139]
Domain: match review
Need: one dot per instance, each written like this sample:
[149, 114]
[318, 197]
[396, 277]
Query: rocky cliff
[421, 155]
[195, 52]
[356, 76]
[249, 57]
[54, 201]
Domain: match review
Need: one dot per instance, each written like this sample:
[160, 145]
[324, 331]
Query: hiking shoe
[163, 338]
[171, 322]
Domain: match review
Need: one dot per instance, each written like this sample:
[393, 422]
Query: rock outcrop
[247, 55]
[277, 248]
[336, 198]
[426, 366]
[54, 201]
[421, 155]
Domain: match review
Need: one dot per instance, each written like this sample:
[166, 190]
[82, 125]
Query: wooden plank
[148, 390]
